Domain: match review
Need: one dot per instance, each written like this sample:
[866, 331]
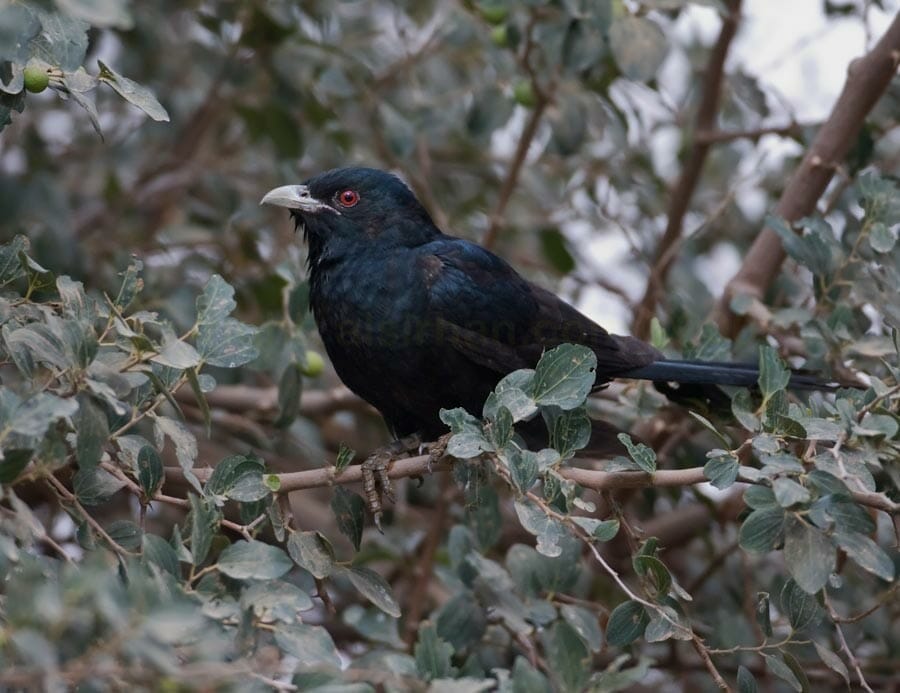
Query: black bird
[415, 320]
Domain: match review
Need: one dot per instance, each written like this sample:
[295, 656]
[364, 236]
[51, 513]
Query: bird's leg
[436, 450]
[375, 469]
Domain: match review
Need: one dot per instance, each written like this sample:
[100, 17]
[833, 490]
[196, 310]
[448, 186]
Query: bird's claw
[375, 479]
[437, 450]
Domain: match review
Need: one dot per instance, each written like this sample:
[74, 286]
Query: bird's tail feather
[719, 373]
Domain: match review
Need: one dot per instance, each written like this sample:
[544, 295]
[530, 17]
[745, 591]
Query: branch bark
[690, 175]
[867, 79]
[589, 478]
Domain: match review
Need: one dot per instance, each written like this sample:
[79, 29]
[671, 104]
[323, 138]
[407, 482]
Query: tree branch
[690, 175]
[589, 478]
[867, 79]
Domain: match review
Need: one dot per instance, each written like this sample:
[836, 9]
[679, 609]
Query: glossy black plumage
[415, 320]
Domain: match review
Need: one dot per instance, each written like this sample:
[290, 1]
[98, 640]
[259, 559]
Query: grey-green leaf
[312, 551]
[564, 376]
[133, 92]
[626, 623]
[866, 553]
[254, 559]
[809, 554]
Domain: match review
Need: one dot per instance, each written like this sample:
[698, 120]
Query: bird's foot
[437, 450]
[375, 479]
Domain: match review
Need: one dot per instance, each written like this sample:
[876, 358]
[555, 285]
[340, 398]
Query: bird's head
[346, 210]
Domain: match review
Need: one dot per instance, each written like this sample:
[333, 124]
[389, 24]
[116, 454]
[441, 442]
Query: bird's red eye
[348, 198]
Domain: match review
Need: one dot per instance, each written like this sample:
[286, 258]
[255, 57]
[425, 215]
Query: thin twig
[854, 662]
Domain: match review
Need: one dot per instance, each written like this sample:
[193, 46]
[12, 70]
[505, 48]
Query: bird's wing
[496, 318]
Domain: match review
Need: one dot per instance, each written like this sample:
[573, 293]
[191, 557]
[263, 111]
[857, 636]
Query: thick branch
[867, 79]
[690, 175]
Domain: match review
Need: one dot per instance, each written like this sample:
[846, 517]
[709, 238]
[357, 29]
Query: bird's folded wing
[497, 319]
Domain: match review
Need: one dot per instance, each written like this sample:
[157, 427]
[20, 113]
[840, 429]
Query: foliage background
[130, 367]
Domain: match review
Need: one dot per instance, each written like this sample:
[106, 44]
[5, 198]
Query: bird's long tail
[720, 373]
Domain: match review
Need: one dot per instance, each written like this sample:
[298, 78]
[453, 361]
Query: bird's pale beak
[295, 197]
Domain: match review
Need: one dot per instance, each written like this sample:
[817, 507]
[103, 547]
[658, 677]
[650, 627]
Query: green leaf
[312, 646]
[185, 446]
[882, 238]
[483, 515]
[570, 656]
[564, 376]
[499, 429]
[344, 457]
[800, 606]
[742, 409]
[34, 415]
[95, 485]
[459, 420]
[746, 681]
[216, 302]
[722, 470]
[788, 492]
[554, 245]
[349, 511]
[626, 623]
[763, 613]
[773, 375]
[275, 600]
[467, 444]
[866, 553]
[249, 487]
[654, 572]
[92, 430]
[253, 559]
[205, 519]
[10, 267]
[782, 671]
[759, 497]
[763, 530]
[585, 624]
[812, 250]
[433, 654]
[461, 621]
[638, 46]
[527, 679]
[289, 388]
[548, 530]
[12, 463]
[228, 471]
[149, 471]
[840, 512]
[133, 92]
[809, 554]
[523, 468]
[569, 430]
[374, 625]
[132, 284]
[512, 392]
[312, 551]
[833, 662]
[62, 42]
[600, 530]
[158, 551]
[227, 343]
[643, 456]
[126, 534]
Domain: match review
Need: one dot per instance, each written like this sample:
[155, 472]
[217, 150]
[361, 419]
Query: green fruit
[493, 14]
[314, 364]
[524, 94]
[36, 79]
[500, 36]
